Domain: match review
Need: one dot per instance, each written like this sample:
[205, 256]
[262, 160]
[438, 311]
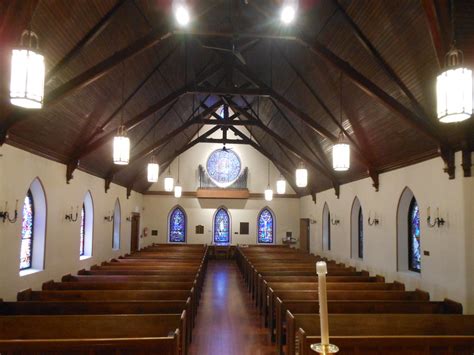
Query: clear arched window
[222, 226]
[27, 232]
[83, 230]
[117, 223]
[414, 245]
[177, 226]
[326, 228]
[265, 227]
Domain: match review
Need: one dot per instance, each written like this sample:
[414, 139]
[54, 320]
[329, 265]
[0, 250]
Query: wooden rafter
[436, 13]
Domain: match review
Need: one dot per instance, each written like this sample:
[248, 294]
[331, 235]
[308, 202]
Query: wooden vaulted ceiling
[386, 54]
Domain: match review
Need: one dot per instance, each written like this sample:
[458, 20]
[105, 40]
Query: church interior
[256, 177]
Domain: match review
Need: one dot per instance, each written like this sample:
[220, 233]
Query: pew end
[82, 272]
[48, 285]
[452, 306]
[67, 278]
[422, 295]
[379, 278]
[24, 295]
[399, 285]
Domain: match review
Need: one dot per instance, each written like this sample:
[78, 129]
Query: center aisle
[227, 322]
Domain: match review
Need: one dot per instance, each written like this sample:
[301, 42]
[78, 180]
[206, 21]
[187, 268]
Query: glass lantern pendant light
[268, 190]
[27, 73]
[121, 141]
[454, 84]
[341, 153]
[178, 189]
[301, 176]
[281, 186]
[153, 170]
[169, 181]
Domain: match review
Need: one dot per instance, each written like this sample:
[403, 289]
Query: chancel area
[252, 177]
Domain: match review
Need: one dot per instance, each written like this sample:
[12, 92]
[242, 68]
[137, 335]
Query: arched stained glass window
[361, 234]
[116, 226]
[266, 227]
[414, 245]
[177, 226]
[221, 227]
[83, 230]
[27, 232]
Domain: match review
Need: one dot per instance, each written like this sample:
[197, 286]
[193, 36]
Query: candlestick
[321, 269]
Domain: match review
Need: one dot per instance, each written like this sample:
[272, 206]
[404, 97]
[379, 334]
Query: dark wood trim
[230, 91]
[467, 162]
[193, 194]
[436, 17]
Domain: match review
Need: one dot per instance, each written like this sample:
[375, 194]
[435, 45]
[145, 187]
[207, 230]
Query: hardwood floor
[227, 322]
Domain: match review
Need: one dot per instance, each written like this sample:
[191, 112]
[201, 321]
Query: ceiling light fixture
[178, 189]
[181, 14]
[27, 73]
[169, 181]
[281, 185]
[268, 191]
[341, 152]
[121, 148]
[454, 85]
[301, 176]
[153, 170]
[288, 11]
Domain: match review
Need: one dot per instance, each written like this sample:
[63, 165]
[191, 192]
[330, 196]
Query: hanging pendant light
[121, 153]
[27, 73]
[281, 186]
[268, 190]
[454, 89]
[454, 84]
[178, 189]
[153, 170]
[301, 176]
[169, 181]
[341, 152]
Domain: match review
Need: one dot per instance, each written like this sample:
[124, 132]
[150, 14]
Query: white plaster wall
[249, 157]
[17, 170]
[201, 212]
[448, 270]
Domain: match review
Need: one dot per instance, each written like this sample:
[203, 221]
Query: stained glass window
[83, 230]
[27, 232]
[221, 227]
[414, 245]
[223, 167]
[265, 227]
[361, 234]
[177, 226]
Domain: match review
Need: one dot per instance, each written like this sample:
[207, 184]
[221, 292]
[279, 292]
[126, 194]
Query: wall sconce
[129, 217]
[109, 218]
[69, 217]
[335, 221]
[375, 221]
[5, 216]
[437, 222]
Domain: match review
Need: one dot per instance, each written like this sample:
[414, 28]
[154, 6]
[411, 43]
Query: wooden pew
[93, 334]
[358, 307]
[385, 333]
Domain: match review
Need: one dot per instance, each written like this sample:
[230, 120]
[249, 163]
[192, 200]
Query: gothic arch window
[27, 231]
[87, 227]
[408, 233]
[266, 226]
[222, 226]
[414, 246]
[357, 230]
[326, 228]
[177, 225]
[117, 223]
[33, 229]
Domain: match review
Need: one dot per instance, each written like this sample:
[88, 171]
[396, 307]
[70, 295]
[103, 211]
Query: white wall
[17, 170]
[201, 212]
[448, 271]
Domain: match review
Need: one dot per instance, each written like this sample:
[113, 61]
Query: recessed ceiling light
[287, 14]
[182, 15]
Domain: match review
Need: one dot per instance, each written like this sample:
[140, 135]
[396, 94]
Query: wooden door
[304, 234]
[135, 234]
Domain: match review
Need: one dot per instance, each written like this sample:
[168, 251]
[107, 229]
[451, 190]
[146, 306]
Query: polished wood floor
[227, 322]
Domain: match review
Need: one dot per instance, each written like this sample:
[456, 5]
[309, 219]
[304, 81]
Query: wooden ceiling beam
[229, 91]
[87, 39]
[437, 17]
[370, 48]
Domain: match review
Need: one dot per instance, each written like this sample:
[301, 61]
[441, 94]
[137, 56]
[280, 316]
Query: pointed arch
[33, 231]
[222, 226]
[266, 226]
[177, 225]
[117, 225]
[408, 232]
[86, 226]
[326, 225]
[357, 229]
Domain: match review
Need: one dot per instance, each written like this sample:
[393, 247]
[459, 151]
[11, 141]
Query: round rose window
[223, 167]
